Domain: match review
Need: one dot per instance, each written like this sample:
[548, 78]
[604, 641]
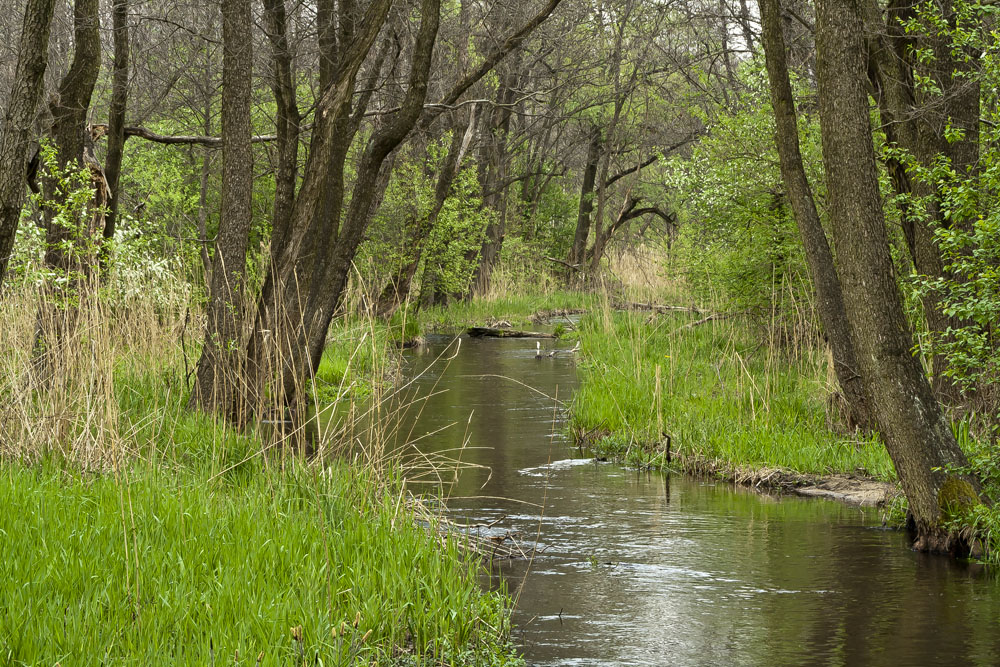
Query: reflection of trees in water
[700, 573]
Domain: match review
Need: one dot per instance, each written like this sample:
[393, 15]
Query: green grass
[516, 307]
[195, 545]
[723, 397]
[158, 568]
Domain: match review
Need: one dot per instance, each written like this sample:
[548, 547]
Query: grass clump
[716, 391]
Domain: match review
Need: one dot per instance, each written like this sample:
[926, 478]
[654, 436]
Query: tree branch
[149, 135]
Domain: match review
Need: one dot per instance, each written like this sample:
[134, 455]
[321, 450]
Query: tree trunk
[29, 76]
[220, 364]
[70, 240]
[829, 298]
[916, 122]
[287, 119]
[276, 352]
[577, 251]
[116, 121]
[68, 248]
[310, 281]
[916, 433]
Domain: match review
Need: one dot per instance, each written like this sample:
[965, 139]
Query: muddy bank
[851, 489]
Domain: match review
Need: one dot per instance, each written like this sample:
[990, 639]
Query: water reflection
[644, 569]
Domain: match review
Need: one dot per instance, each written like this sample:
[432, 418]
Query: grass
[159, 567]
[134, 531]
[717, 392]
[515, 307]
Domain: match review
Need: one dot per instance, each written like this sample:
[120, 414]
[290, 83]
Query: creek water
[636, 568]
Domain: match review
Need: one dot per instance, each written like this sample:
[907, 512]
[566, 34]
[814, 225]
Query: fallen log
[546, 315]
[490, 332]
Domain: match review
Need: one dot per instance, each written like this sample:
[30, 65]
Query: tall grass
[160, 567]
[724, 395]
[136, 531]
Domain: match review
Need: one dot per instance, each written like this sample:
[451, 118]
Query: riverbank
[136, 531]
[721, 397]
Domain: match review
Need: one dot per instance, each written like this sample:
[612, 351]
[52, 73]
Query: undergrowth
[136, 531]
[716, 391]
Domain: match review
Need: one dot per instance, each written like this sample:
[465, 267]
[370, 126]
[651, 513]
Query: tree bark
[66, 247]
[275, 352]
[220, 365]
[829, 298]
[29, 76]
[916, 434]
[287, 120]
[577, 251]
[116, 120]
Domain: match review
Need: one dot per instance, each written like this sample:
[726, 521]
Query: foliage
[738, 240]
[452, 252]
[968, 232]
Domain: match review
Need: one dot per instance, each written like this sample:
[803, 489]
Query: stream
[637, 568]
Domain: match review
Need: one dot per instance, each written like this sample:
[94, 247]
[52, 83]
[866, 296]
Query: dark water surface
[648, 569]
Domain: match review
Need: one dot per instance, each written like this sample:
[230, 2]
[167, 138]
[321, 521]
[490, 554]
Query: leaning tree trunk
[29, 75]
[917, 435]
[221, 359]
[829, 298]
[276, 371]
[286, 121]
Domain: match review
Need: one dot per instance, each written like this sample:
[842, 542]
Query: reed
[134, 530]
[724, 394]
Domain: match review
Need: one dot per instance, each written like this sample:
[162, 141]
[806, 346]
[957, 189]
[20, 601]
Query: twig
[574, 267]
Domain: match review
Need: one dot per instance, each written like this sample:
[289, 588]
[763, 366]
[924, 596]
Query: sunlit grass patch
[156, 567]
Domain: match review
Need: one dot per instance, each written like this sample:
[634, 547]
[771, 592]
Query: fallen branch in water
[545, 315]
